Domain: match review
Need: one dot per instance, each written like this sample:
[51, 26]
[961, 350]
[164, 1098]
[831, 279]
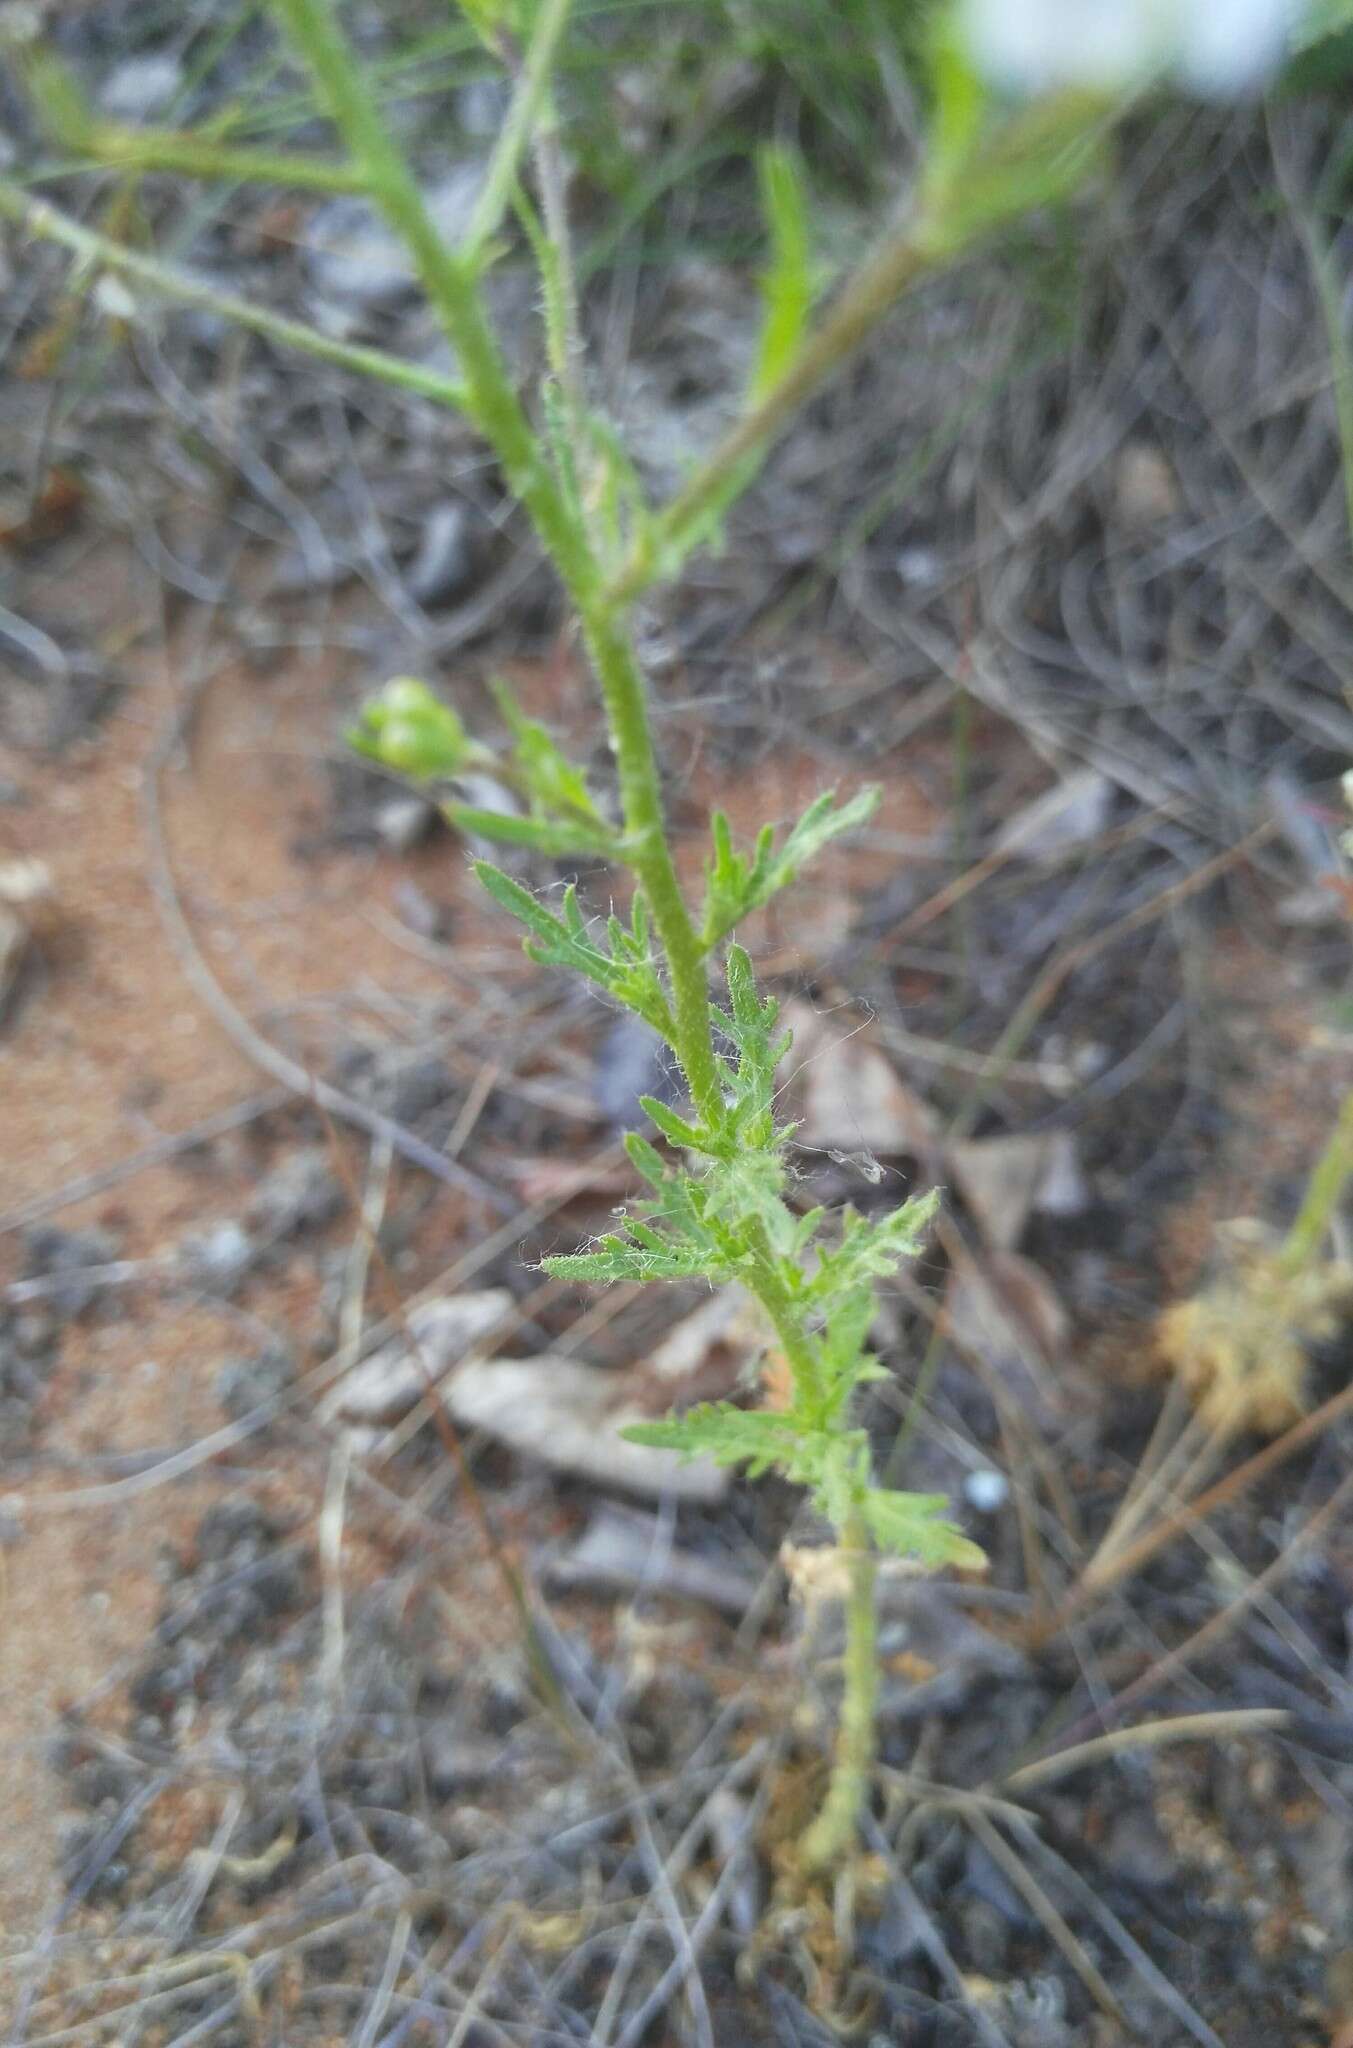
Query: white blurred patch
[1218, 49]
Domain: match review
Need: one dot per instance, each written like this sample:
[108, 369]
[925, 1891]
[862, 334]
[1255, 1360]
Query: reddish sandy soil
[109, 1049]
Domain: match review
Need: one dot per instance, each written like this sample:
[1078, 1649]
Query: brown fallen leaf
[440, 1333]
[1003, 1180]
[708, 1352]
[624, 1550]
[570, 1416]
[560, 1410]
[1005, 1312]
[845, 1093]
[25, 907]
[1073, 811]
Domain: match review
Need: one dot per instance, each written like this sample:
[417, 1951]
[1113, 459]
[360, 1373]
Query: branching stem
[38, 217]
[548, 472]
[626, 700]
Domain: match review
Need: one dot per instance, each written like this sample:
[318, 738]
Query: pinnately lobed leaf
[833, 1465]
[913, 1525]
[553, 782]
[625, 973]
[738, 883]
[727, 1435]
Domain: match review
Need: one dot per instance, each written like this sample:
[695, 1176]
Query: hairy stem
[537, 469]
[452, 287]
[832, 1835]
[38, 217]
[451, 283]
[550, 177]
[523, 118]
[626, 701]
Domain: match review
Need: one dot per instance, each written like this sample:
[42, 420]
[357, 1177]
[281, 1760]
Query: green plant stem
[910, 254]
[136, 149]
[1326, 1184]
[833, 1834]
[450, 282]
[39, 217]
[452, 288]
[550, 177]
[514, 137]
[626, 700]
[785, 1319]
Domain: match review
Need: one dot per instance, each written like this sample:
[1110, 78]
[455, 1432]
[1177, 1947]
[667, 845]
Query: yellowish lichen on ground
[1241, 1346]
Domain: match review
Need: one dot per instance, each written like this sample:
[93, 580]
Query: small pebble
[403, 821]
[220, 1257]
[442, 563]
[355, 259]
[986, 1491]
[140, 88]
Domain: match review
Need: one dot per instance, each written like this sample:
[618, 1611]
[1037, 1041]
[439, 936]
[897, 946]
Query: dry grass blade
[1026, 1884]
[1215, 1631]
[1147, 1735]
[1093, 1906]
[1093, 1584]
[1066, 963]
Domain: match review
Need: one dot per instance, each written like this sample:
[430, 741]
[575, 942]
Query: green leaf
[1037, 157]
[1321, 18]
[408, 729]
[849, 1320]
[730, 1436]
[559, 839]
[558, 412]
[645, 1160]
[488, 18]
[787, 285]
[550, 778]
[665, 556]
[616, 1258]
[737, 883]
[843, 1474]
[761, 1439]
[958, 110]
[913, 1525]
[749, 1014]
[564, 942]
[747, 1121]
[1322, 66]
[819, 825]
[623, 515]
[522, 905]
[872, 1248]
[833, 1465]
[748, 1185]
[58, 96]
[686, 1137]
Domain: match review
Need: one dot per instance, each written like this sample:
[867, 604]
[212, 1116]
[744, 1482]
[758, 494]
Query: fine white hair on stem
[1218, 49]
